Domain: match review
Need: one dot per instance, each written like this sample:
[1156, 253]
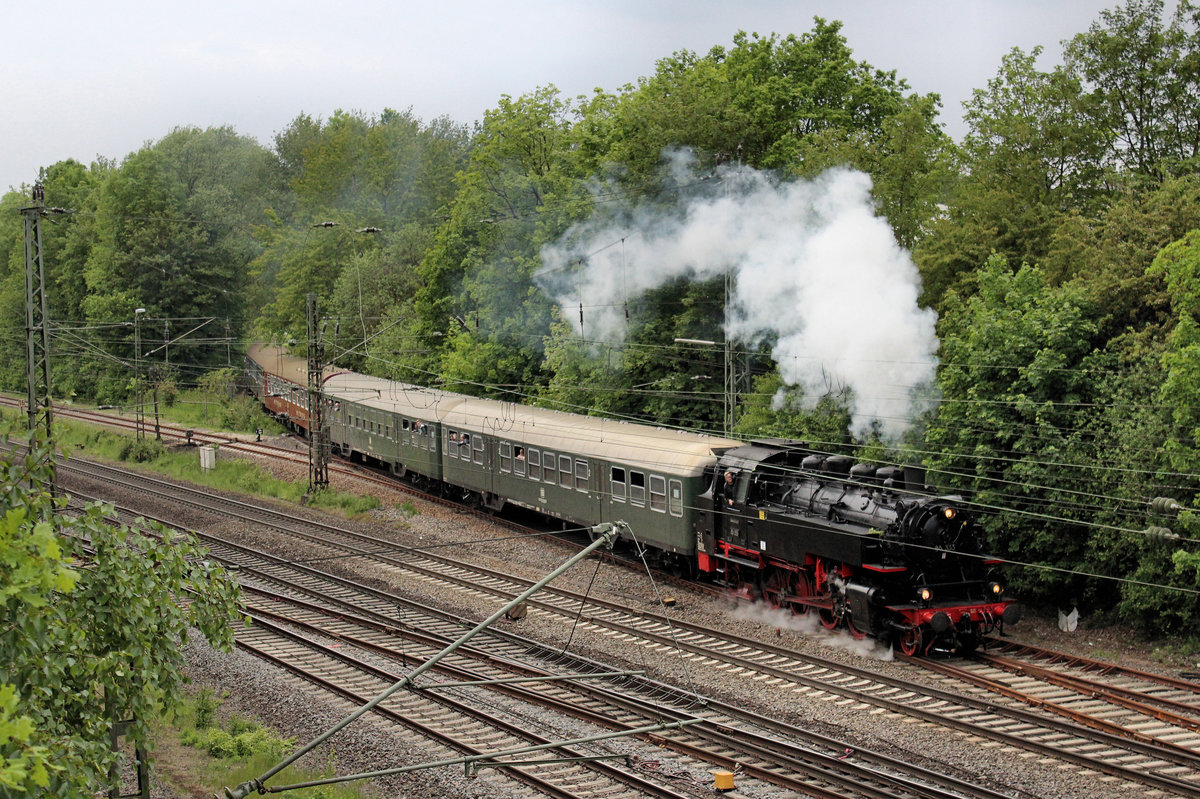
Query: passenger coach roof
[278, 361]
[426, 404]
[643, 446]
[652, 448]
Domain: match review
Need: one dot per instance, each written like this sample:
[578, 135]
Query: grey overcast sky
[88, 78]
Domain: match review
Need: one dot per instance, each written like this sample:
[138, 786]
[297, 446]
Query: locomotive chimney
[914, 478]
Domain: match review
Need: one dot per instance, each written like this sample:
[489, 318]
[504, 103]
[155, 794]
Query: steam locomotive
[872, 550]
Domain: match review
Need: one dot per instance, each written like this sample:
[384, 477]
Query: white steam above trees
[815, 276]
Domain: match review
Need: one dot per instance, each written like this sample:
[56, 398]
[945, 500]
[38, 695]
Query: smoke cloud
[815, 274]
[810, 627]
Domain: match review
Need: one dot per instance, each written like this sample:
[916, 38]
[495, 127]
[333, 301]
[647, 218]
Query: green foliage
[205, 709]
[220, 383]
[1142, 84]
[1151, 603]
[22, 764]
[244, 749]
[141, 450]
[1028, 159]
[775, 410]
[1109, 256]
[1013, 376]
[244, 739]
[1179, 265]
[231, 474]
[391, 173]
[240, 414]
[91, 628]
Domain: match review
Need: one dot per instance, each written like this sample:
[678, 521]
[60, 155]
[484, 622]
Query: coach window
[505, 456]
[676, 498]
[617, 483]
[564, 470]
[582, 473]
[658, 493]
[535, 465]
[520, 461]
[637, 488]
[548, 467]
[479, 449]
[464, 449]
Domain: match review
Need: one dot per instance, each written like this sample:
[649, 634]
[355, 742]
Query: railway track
[316, 642]
[1168, 770]
[626, 703]
[1146, 707]
[463, 725]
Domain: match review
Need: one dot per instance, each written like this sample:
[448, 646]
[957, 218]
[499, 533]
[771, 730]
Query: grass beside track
[183, 463]
[199, 749]
[239, 475]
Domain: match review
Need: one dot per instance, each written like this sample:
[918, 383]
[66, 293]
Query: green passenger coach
[394, 424]
[582, 469]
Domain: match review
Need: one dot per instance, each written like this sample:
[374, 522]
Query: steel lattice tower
[37, 334]
[318, 430]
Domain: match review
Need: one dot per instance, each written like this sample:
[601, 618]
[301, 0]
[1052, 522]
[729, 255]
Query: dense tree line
[1057, 244]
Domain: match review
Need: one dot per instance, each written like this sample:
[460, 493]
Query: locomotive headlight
[949, 513]
[926, 595]
[996, 588]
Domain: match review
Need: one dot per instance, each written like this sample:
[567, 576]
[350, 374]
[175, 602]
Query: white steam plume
[813, 270]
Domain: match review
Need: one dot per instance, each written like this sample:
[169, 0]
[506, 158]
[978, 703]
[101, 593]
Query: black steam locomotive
[865, 548]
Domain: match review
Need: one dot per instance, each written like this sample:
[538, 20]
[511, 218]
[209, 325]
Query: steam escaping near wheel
[815, 275]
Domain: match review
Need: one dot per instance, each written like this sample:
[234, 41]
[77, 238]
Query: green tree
[1013, 382]
[1030, 157]
[1143, 84]
[909, 159]
[173, 236]
[91, 628]
[775, 410]
[1109, 255]
[520, 189]
[793, 87]
[1179, 265]
[366, 186]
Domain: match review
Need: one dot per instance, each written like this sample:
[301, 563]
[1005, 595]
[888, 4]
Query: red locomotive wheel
[802, 588]
[910, 641]
[855, 633]
[775, 588]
